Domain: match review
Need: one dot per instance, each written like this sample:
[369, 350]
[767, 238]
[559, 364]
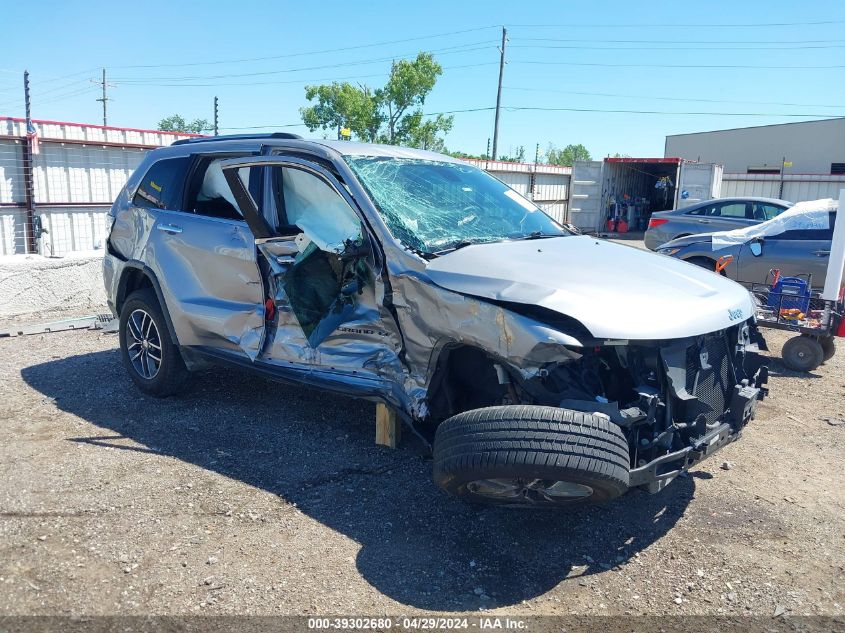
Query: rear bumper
[654, 238]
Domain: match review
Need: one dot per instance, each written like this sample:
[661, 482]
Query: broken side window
[313, 206]
[332, 264]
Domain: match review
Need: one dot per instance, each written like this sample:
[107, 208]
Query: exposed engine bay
[676, 401]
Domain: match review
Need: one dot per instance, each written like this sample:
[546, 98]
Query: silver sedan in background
[721, 214]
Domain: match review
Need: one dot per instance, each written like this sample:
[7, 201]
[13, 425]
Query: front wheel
[531, 456]
[149, 354]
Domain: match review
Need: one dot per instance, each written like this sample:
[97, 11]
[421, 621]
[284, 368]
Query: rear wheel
[828, 347]
[802, 353]
[149, 354]
[531, 456]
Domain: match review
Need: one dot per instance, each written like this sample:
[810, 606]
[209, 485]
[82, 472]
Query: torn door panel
[327, 308]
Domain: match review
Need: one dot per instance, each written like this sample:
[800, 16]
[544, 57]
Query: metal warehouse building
[72, 181]
[813, 147]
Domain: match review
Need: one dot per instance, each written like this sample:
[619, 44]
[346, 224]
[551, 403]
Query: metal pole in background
[499, 93]
[216, 118]
[782, 167]
[29, 184]
[104, 99]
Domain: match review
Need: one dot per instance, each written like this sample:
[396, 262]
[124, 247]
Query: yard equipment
[789, 303]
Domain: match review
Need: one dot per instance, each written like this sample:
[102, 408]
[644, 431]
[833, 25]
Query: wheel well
[133, 279]
[699, 260]
[465, 378]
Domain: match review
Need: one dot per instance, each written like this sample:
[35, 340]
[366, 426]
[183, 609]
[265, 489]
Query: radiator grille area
[710, 385]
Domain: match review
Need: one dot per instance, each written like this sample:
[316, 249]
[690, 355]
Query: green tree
[414, 132]
[390, 114]
[568, 155]
[459, 154]
[177, 123]
[342, 105]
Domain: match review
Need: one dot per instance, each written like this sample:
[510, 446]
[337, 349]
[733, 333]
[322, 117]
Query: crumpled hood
[615, 291]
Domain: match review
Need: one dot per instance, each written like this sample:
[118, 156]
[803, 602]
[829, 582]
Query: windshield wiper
[454, 247]
[536, 235]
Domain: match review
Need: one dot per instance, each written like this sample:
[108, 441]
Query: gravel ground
[249, 497]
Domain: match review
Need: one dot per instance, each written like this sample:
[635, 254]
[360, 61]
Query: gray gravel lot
[246, 496]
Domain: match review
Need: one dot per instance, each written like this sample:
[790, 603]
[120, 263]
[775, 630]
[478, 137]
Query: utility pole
[216, 118]
[499, 92]
[29, 184]
[487, 155]
[104, 99]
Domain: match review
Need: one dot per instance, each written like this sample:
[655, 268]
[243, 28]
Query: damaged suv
[541, 366]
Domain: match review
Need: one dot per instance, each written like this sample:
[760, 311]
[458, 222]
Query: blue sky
[602, 55]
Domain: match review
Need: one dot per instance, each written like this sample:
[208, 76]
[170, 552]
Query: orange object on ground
[622, 226]
[723, 262]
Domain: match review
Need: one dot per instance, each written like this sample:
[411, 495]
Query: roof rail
[233, 137]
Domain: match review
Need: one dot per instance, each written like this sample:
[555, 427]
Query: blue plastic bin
[789, 293]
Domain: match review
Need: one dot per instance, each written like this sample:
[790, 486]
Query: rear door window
[163, 184]
[730, 210]
[209, 193]
[764, 211]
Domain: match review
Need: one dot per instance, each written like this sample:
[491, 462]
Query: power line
[681, 48]
[656, 98]
[290, 81]
[754, 114]
[593, 40]
[363, 62]
[544, 109]
[318, 52]
[693, 25]
[621, 111]
[685, 66]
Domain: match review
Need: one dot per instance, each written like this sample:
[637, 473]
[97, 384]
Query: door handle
[284, 260]
[169, 228]
[704, 221]
[821, 253]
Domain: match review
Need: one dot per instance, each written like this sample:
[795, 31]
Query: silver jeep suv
[543, 367]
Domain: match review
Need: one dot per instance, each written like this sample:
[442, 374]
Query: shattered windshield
[437, 206]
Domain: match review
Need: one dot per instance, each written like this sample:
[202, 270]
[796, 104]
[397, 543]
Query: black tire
[802, 353]
[524, 444]
[171, 375]
[828, 347]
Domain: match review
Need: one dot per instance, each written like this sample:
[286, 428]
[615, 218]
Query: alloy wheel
[143, 344]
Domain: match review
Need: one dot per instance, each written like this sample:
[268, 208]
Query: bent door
[323, 273]
[203, 254]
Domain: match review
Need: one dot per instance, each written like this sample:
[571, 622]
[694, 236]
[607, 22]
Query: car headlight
[669, 251]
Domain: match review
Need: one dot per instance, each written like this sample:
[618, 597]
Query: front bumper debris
[658, 473]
